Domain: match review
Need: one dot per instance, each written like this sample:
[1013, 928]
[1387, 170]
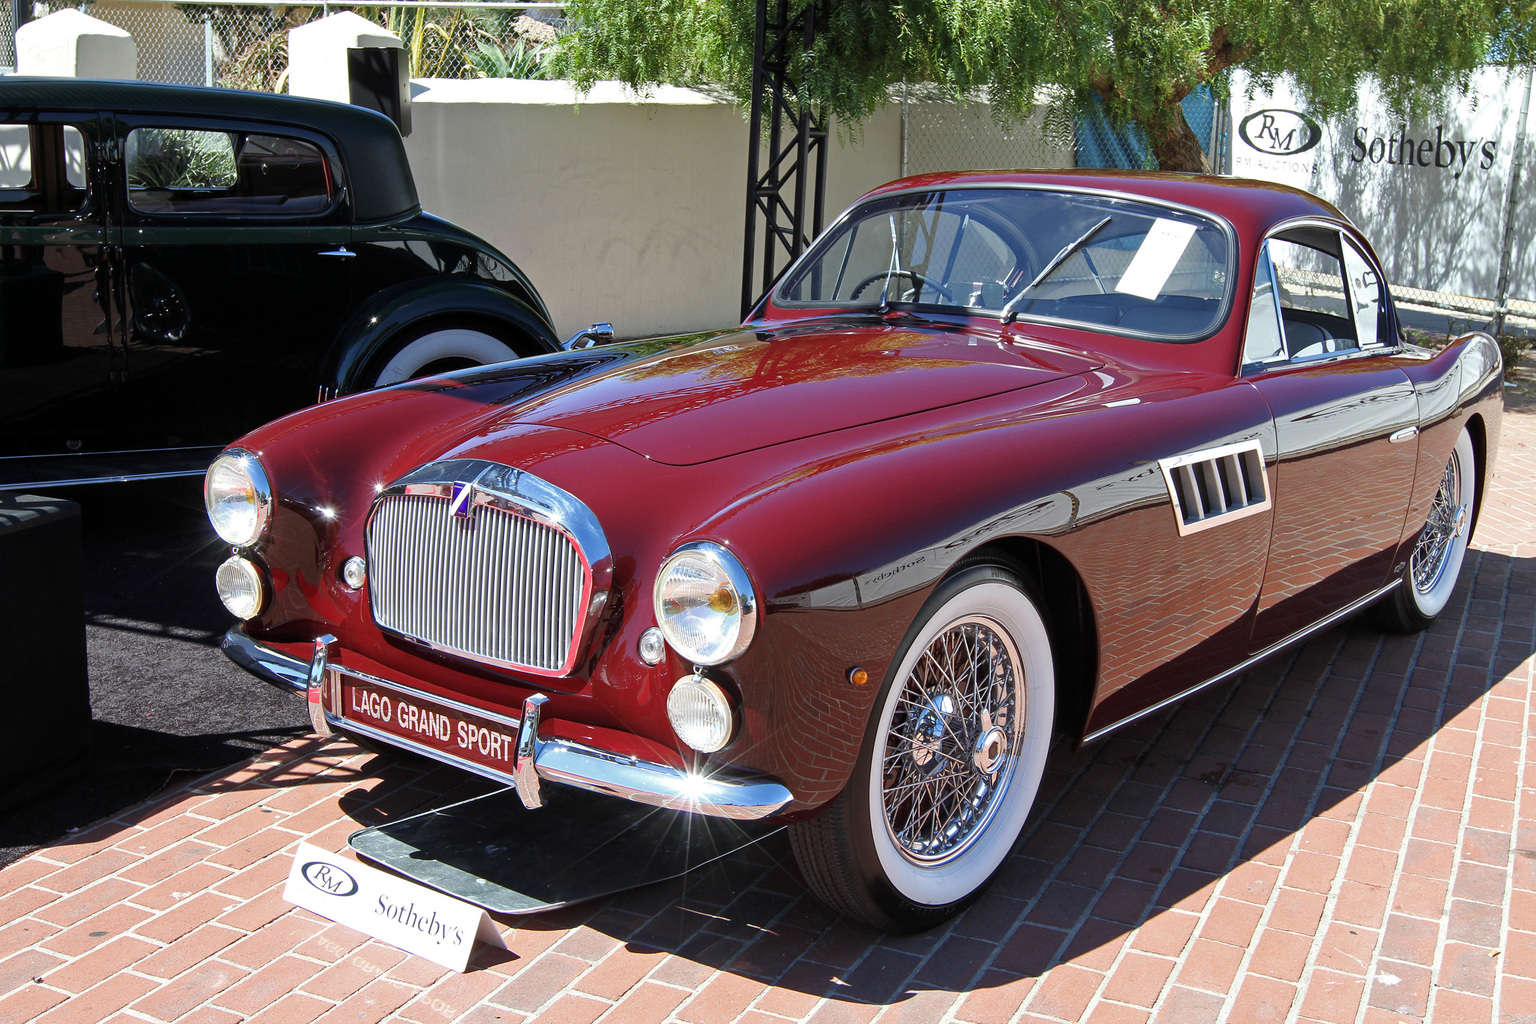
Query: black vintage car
[180, 265]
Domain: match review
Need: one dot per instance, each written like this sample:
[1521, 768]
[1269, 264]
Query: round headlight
[704, 604]
[700, 714]
[238, 497]
[242, 587]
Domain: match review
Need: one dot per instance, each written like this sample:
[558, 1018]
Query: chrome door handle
[340, 252]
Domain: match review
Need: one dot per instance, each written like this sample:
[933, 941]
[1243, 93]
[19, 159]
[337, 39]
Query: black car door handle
[340, 252]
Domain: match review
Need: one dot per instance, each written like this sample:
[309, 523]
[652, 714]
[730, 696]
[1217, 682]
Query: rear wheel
[950, 764]
[1433, 568]
[436, 349]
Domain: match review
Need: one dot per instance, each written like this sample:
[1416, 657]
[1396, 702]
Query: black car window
[186, 171]
[1086, 259]
[42, 168]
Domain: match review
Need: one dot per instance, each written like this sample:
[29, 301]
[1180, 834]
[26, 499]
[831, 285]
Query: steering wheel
[917, 279]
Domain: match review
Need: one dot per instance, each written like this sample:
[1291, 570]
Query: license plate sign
[425, 723]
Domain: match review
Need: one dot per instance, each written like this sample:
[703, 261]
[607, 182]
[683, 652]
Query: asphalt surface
[164, 698]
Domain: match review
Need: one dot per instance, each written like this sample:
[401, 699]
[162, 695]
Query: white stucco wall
[625, 209]
[619, 208]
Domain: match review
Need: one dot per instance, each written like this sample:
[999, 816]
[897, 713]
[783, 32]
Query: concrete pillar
[318, 65]
[69, 44]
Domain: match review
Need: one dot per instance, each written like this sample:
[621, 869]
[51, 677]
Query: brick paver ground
[1346, 834]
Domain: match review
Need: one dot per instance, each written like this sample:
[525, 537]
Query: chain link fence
[244, 44]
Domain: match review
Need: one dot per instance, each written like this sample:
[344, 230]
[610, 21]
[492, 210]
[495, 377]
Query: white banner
[1429, 194]
[390, 908]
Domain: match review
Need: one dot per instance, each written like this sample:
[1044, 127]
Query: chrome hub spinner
[990, 750]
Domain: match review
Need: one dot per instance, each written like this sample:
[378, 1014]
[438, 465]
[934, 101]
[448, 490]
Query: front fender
[376, 322]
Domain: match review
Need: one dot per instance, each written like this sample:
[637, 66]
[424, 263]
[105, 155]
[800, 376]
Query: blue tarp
[1101, 144]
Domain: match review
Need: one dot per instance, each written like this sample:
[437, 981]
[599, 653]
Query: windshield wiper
[1067, 252]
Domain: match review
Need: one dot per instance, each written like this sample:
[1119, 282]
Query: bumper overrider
[501, 748]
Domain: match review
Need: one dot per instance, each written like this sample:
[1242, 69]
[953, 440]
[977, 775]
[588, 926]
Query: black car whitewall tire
[1435, 563]
[951, 761]
[438, 351]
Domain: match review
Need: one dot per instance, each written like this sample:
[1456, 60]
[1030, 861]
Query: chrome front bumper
[556, 760]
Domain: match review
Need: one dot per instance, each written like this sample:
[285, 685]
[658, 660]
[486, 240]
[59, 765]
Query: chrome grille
[497, 587]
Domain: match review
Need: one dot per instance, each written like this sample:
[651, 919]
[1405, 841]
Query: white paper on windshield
[1160, 252]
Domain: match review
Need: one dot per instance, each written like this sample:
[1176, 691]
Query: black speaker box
[46, 716]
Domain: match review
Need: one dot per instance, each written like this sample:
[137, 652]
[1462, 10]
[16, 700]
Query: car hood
[735, 392]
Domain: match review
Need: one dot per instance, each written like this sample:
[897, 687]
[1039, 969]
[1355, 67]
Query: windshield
[1031, 254]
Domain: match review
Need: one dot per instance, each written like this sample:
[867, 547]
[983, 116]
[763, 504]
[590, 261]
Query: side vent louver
[1217, 485]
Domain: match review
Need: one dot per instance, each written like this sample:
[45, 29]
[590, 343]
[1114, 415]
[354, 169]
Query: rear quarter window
[194, 171]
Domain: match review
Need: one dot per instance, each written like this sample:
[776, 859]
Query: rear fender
[405, 307]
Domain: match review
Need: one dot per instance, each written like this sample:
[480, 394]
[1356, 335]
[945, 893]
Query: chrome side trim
[1406, 434]
[110, 478]
[565, 762]
[1244, 666]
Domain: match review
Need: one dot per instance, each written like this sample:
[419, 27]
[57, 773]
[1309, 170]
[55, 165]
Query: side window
[1262, 343]
[1314, 312]
[187, 171]
[1365, 297]
[42, 168]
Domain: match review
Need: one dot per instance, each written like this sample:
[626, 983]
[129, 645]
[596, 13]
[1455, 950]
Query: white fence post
[69, 44]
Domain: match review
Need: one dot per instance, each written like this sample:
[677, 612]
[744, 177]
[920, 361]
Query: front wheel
[950, 764]
[1433, 568]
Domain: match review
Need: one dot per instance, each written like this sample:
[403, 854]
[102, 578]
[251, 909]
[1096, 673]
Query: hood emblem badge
[462, 503]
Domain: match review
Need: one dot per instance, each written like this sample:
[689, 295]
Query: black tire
[437, 347]
[1432, 570]
[909, 846]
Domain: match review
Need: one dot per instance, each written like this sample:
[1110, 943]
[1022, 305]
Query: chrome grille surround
[487, 562]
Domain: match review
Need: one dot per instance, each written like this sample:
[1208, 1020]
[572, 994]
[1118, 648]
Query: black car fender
[410, 305]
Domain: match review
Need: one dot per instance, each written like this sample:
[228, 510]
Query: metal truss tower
[794, 166]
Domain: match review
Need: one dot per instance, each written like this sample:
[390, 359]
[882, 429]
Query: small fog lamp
[653, 646]
[354, 573]
[700, 714]
[242, 587]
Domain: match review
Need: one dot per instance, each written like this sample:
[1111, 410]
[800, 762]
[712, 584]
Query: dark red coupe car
[1003, 456]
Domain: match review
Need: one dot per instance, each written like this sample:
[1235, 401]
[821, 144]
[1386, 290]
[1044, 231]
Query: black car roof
[378, 174]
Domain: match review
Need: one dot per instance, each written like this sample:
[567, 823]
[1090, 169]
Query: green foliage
[176, 158]
[1139, 57]
[522, 60]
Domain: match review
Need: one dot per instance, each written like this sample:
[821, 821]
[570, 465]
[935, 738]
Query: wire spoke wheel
[1440, 529]
[1431, 572]
[952, 739]
[951, 760]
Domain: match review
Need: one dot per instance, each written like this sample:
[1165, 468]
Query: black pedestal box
[45, 707]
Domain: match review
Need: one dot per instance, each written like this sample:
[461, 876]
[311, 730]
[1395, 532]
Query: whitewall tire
[951, 762]
[1434, 566]
[439, 351]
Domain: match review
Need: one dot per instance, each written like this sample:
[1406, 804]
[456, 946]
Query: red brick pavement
[1346, 834]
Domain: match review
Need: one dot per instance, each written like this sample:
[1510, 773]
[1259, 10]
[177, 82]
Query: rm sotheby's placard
[390, 908]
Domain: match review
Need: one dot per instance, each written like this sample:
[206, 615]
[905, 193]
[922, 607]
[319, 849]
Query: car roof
[378, 174]
[1253, 207]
